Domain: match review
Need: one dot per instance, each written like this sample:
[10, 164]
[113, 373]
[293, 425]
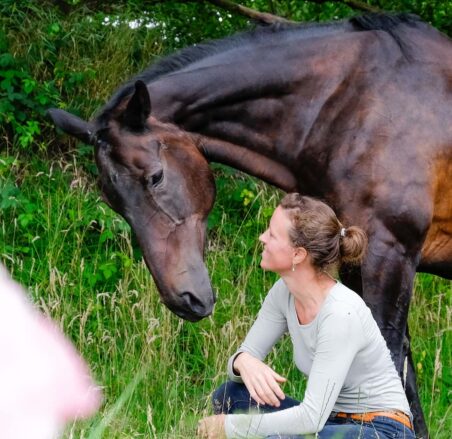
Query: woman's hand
[261, 380]
[212, 427]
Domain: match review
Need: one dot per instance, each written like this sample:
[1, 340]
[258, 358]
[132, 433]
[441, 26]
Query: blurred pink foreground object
[44, 383]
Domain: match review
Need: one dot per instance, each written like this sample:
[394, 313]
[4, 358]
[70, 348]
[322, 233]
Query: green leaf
[28, 85]
[6, 60]
[53, 29]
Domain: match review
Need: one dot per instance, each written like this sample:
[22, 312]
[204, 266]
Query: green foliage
[49, 59]
[75, 60]
[23, 100]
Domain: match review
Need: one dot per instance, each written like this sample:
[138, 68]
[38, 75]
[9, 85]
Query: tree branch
[354, 4]
[271, 18]
[249, 12]
[268, 18]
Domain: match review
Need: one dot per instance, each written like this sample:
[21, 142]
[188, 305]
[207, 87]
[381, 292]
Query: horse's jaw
[181, 278]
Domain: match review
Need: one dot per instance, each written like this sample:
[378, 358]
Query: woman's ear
[300, 255]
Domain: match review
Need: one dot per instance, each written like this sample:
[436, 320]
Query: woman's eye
[156, 178]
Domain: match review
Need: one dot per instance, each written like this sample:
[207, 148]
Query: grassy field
[83, 268]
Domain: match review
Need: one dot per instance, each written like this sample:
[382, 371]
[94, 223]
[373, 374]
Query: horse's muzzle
[190, 307]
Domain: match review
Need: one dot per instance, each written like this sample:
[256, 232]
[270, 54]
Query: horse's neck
[268, 169]
[256, 112]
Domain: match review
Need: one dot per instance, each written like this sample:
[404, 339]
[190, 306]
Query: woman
[353, 389]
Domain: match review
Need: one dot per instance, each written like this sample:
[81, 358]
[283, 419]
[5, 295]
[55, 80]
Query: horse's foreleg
[387, 278]
[351, 276]
[412, 394]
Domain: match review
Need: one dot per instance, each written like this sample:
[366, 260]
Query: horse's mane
[390, 24]
[183, 58]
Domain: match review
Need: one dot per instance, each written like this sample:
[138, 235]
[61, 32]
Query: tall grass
[83, 268]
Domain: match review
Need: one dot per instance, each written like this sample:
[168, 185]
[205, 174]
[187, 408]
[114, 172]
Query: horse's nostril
[194, 304]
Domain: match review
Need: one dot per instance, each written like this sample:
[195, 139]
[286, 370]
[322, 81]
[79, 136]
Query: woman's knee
[224, 397]
[218, 399]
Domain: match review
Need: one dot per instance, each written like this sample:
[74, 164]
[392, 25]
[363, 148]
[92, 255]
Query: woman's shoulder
[279, 293]
[343, 315]
[342, 300]
[280, 287]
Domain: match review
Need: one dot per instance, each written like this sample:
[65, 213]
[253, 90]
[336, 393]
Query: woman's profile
[353, 390]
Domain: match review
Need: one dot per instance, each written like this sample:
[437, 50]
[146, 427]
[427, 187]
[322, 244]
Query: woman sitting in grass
[353, 389]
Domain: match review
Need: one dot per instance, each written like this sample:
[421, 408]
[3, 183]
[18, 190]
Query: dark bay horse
[358, 113]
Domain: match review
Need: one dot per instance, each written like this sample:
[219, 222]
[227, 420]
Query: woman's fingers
[201, 431]
[278, 377]
[276, 390]
[267, 390]
[273, 392]
[211, 427]
[256, 393]
[266, 393]
[261, 380]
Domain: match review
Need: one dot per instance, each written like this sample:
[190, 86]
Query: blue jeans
[234, 398]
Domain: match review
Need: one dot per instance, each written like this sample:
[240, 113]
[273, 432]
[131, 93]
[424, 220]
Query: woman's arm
[247, 364]
[338, 340]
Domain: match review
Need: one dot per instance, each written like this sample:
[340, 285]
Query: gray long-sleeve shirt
[343, 353]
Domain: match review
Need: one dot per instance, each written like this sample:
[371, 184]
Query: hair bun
[353, 245]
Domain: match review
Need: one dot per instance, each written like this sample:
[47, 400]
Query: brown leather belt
[398, 416]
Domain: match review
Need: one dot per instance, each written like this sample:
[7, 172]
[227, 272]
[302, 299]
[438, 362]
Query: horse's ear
[138, 109]
[72, 125]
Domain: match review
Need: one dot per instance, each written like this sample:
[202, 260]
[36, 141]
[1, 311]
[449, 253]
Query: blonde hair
[316, 228]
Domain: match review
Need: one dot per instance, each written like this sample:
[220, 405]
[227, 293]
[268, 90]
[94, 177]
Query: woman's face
[278, 253]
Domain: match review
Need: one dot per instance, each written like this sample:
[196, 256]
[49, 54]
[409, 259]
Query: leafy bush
[75, 61]
[23, 99]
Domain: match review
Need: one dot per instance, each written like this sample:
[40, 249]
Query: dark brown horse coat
[358, 113]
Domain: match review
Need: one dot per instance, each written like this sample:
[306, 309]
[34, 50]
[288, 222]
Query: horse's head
[155, 177]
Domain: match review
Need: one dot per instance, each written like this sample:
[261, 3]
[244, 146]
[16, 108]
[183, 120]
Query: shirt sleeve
[268, 328]
[339, 339]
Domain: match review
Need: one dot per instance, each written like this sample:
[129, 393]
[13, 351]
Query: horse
[355, 112]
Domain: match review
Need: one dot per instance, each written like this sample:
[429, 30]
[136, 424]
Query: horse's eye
[156, 178]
